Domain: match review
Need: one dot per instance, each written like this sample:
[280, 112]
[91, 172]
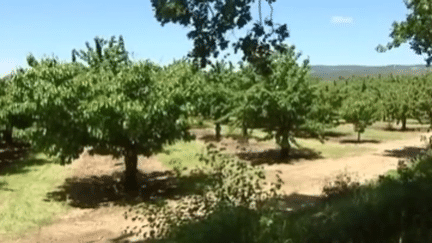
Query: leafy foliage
[219, 94]
[242, 111]
[342, 186]
[423, 105]
[43, 91]
[208, 32]
[281, 103]
[186, 77]
[219, 91]
[360, 109]
[4, 98]
[125, 112]
[416, 28]
[10, 117]
[394, 209]
[112, 57]
[398, 96]
[231, 183]
[329, 99]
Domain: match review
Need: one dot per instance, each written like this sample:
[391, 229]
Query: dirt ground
[303, 176]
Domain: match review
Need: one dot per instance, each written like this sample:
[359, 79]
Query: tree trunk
[7, 135]
[285, 145]
[404, 121]
[430, 119]
[244, 130]
[285, 152]
[218, 131]
[245, 133]
[131, 162]
[358, 137]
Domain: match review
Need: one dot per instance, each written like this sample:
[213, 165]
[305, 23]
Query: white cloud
[341, 20]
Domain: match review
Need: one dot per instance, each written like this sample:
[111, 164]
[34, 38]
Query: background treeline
[338, 72]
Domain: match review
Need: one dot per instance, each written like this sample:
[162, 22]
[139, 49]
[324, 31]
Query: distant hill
[333, 72]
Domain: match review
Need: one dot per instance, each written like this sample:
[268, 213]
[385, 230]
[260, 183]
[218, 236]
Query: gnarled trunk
[131, 162]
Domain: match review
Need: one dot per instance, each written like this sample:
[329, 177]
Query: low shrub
[344, 185]
[234, 187]
[394, 209]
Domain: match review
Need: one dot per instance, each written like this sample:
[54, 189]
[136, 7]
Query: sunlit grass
[343, 145]
[377, 131]
[335, 150]
[22, 205]
[198, 122]
[184, 153]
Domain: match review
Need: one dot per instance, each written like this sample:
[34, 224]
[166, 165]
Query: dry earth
[304, 179]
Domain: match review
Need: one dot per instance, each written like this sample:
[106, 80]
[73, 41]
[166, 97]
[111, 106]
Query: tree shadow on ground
[355, 141]
[327, 135]
[286, 204]
[98, 191]
[211, 138]
[241, 139]
[3, 187]
[406, 152]
[16, 159]
[408, 129]
[296, 201]
[273, 156]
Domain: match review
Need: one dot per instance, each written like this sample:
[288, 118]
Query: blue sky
[332, 32]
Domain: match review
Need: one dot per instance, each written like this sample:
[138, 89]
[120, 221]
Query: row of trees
[365, 100]
[130, 108]
[110, 104]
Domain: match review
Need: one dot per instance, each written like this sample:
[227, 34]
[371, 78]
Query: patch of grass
[22, 205]
[334, 150]
[343, 128]
[235, 131]
[381, 135]
[330, 149]
[184, 153]
[377, 132]
[198, 122]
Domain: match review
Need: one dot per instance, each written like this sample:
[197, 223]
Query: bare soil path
[308, 176]
[303, 179]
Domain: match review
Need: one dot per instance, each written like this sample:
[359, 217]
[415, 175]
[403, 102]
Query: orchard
[103, 100]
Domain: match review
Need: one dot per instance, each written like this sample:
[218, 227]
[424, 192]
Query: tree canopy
[360, 107]
[126, 111]
[209, 30]
[416, 29]
[112, 56]
[281, 103]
